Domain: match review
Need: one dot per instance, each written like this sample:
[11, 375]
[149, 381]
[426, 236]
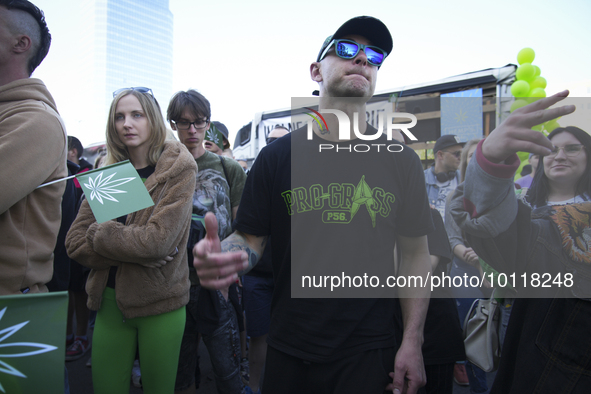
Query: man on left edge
[33, 152]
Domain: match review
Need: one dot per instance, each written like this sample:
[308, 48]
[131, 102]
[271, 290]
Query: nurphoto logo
[385, 122]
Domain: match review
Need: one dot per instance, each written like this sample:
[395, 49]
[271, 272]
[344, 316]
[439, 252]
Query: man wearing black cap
[443, 176]
[320, 343]
[211, 145]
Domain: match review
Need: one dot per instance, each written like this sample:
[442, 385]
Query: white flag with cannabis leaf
[114, 191]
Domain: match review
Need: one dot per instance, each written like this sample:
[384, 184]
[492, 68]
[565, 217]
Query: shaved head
[22, 18]
[21, 22]
[278, 132]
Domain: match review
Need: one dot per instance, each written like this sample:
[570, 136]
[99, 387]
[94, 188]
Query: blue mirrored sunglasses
[348, 49]
[137, 89]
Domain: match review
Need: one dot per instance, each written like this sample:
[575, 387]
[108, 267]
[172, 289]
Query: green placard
[114, 191]
[32, 342]
[215, 136]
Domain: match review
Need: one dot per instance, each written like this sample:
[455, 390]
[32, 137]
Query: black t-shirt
[322, 329]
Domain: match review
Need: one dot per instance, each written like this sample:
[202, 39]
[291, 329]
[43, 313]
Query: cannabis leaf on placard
[213, 136]
[103, 188]
[7, 332]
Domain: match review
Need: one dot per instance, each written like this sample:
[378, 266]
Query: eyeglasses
[348, 49]
[457, 153]
[569, 150]
[184, 125]
[136, 89]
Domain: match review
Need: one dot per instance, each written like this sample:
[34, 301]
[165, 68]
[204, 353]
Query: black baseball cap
[445, 141]
[221, 127]
[367, 26]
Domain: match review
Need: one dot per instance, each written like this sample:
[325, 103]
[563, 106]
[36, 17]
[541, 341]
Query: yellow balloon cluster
[529, 85]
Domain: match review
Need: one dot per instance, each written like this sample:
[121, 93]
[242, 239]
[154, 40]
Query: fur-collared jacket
[148, 235]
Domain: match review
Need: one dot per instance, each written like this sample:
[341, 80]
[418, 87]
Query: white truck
[427, 101]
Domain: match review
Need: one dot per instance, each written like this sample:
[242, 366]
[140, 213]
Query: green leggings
[114, 344]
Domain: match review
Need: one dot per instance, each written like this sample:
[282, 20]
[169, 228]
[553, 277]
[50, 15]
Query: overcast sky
[252, 56]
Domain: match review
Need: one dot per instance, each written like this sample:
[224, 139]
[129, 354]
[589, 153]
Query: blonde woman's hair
[116, 150]
[464, 157]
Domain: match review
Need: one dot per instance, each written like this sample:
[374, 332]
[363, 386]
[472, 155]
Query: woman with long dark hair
[544, 249]
[139, 279]
[551, 185]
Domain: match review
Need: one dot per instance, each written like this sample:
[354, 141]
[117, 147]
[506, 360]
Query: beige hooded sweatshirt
[32, 152]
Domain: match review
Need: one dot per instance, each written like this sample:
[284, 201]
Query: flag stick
[56, 181]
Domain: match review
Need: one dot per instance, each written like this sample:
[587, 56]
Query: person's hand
[162, 262]
[471, 257]
[409, 369]
[216, 270]
[515, 134]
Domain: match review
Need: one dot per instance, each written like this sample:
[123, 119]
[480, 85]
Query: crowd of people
[198, 265]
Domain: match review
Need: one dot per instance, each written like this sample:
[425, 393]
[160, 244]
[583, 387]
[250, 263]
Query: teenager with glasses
[328, 344]
[209, 313]
[547, 342]
[139, 279]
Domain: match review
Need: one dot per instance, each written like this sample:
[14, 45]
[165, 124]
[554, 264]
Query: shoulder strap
[226, 174]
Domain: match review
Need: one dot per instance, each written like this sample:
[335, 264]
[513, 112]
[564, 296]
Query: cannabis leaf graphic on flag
[7, 332]
[103, 188]
[100, 187]
[213, 136]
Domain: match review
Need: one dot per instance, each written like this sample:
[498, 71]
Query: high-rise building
[125, 43]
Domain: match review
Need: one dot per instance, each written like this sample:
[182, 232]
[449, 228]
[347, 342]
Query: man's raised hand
[216, 269]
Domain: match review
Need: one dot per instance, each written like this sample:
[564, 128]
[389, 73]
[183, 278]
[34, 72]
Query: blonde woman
[139, 279]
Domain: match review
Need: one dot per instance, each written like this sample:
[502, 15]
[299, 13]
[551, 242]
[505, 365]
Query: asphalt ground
[80, 376]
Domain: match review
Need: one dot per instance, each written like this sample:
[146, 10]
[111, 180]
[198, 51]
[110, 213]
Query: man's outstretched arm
[219, 263]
